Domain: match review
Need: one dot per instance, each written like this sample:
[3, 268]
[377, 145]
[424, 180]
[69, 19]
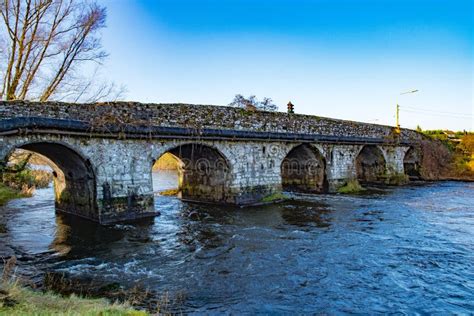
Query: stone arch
[204, 173]
[304, 170]
[371, 165]
[412, 163]
[74, 178]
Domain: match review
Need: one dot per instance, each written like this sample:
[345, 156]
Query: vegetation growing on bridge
[276, 197]
[351, 187]
[397, 179]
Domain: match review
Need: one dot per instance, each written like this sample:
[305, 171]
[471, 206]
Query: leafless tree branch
[46, 43]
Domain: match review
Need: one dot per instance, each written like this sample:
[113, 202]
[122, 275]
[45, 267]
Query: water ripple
[403, 250]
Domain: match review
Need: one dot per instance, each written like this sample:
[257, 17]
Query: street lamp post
[398, 109]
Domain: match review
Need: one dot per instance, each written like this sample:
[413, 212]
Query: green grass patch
[351, 187]
[7, 194]
[274, 197]
[17, 300]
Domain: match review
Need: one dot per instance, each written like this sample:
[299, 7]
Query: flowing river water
[402, 249]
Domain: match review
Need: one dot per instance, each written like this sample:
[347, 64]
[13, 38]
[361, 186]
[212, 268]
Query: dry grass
[170, 192]
[42, 178]
[444, 160]
[471, 163]
[137, 296]
[27, 178]
[22, 184]
[65, 296]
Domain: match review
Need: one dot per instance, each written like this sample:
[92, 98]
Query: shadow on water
[75, 237]
[406, 249]
[303, 213]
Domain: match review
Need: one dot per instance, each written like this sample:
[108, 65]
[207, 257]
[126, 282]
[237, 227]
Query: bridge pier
[367, 163]
[230, 172]
[255, 170]
[124, 181]
[394, 157]
[341, 166]
[104, 180]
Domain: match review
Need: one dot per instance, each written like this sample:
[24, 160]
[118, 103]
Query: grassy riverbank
[16, 299]
[7, 194]
[18, 180]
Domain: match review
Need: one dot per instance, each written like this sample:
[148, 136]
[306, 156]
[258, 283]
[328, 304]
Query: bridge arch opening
[370, 165]
[304, 170]
[202, 173]
[167, 172]
[412, 163]
[74, 179]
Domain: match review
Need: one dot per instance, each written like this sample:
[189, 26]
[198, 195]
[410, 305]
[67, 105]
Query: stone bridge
[103, 153]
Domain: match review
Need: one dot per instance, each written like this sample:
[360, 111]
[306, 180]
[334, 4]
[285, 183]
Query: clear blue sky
[339, 58]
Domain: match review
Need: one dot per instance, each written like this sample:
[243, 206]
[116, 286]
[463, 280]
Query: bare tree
[268, 105]
[241, 102]
[50, 48]
[253, 103]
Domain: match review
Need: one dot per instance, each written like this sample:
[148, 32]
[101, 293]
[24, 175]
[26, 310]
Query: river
[402, 249]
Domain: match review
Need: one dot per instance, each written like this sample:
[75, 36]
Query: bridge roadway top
[140, 120]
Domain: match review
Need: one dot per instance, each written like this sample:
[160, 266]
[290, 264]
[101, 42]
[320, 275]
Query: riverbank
[7, 194]
[18, 180]
[16, 299]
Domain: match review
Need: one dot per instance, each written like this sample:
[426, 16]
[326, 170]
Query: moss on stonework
[397, 179]
[274, 197]
[65, 197]
[351, 187]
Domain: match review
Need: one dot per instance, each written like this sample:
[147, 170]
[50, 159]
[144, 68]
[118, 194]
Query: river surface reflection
[406, 249]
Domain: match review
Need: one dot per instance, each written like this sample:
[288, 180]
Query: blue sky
[346, 59]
